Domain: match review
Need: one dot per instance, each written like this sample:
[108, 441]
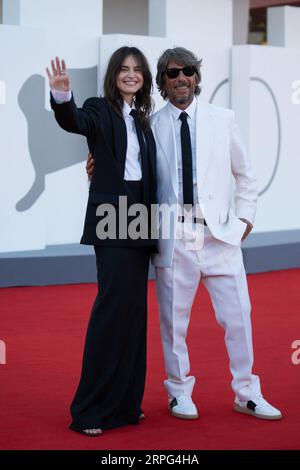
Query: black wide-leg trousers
[113, 374]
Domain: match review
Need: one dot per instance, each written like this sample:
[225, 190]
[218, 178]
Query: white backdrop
[56, 217]
[31, 144]
[271, 124]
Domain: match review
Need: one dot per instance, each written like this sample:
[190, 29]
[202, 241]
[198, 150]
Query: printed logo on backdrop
[269, 92]
[50, 149]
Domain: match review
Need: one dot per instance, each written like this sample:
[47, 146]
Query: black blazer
[106, 135]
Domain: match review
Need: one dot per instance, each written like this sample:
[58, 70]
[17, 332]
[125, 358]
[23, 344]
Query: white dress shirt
[133, 168]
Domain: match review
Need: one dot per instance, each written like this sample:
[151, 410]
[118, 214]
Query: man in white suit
[199, 155]
[199, 151]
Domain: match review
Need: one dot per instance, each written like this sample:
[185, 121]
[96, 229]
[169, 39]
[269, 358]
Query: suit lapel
[119, 139]
[165, 135]
[205, 131]
[151, 151]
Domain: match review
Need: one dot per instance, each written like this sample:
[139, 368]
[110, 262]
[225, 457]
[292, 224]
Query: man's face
[181, 90]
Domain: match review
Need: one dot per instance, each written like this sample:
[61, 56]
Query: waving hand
[59, 79]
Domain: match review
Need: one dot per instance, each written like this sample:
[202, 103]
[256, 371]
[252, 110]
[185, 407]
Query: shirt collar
[126, 108]
[190, 110]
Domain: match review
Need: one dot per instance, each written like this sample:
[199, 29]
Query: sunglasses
[188, 71]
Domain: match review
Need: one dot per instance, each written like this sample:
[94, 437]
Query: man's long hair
[143, 100]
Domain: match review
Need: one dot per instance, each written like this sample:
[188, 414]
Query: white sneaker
[183, 407]
[259, 408]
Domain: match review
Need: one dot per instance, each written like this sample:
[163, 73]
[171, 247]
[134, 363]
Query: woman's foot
[92, 432]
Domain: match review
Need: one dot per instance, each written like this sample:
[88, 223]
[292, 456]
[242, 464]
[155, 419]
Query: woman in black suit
[117, 129]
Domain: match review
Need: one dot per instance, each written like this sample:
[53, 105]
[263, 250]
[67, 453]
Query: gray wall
[10, 12]
[240, 21]
[125, 16]
[75, 264]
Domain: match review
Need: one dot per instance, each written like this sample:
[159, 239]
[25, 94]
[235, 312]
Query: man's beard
[183, 99]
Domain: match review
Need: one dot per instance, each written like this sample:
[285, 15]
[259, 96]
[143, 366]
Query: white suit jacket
[220, 158]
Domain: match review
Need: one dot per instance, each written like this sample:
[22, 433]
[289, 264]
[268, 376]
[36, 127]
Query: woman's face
[130, 78]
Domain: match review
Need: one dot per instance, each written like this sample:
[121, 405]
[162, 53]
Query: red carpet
[44, 328]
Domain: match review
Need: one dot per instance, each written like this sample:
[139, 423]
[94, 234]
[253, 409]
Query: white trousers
[221, 269]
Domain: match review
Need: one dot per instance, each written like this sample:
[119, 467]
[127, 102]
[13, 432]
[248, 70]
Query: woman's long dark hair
[143, 100]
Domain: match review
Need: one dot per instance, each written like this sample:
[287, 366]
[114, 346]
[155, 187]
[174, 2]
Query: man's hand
[90, 166]
[248, 229]
[59, 79]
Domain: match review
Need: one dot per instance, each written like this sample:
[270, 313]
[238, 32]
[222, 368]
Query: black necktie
[187, 163]
[144, 156]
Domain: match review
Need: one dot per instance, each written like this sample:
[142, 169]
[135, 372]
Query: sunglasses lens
[187, 71]
[172, 73]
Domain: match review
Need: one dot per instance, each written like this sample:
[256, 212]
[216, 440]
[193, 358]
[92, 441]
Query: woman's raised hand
[59, 79]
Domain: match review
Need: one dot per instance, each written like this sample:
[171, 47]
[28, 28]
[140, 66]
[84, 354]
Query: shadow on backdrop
[49, 147]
